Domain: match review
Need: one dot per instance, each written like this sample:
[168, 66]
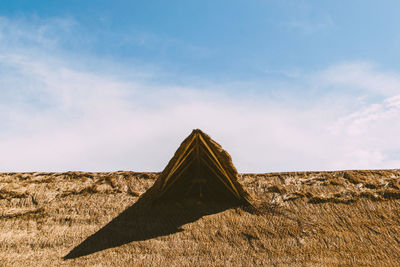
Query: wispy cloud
[363, 76]
[311, 25]
[57, 115]
[35, 32]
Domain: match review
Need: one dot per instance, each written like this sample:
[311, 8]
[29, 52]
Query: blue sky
[225, 39]
[282, 85]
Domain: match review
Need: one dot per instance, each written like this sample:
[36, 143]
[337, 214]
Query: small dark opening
[201, 184]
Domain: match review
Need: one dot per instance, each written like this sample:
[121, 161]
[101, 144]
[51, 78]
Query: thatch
[341, 218]
[201, 170]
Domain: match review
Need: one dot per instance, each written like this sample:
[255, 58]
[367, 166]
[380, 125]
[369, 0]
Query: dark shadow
[142, 222]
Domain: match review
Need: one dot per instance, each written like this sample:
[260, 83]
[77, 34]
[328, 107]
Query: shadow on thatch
[200, 179]
[142, 222]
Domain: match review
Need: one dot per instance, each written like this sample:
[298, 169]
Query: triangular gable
[199, 155]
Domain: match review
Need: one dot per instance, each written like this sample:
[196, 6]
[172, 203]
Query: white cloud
[363, 76]
[55, 116]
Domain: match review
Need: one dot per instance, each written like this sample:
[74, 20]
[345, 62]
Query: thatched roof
[335, 218]
[200, 169]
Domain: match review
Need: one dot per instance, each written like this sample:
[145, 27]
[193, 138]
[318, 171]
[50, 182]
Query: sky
[281, 85]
